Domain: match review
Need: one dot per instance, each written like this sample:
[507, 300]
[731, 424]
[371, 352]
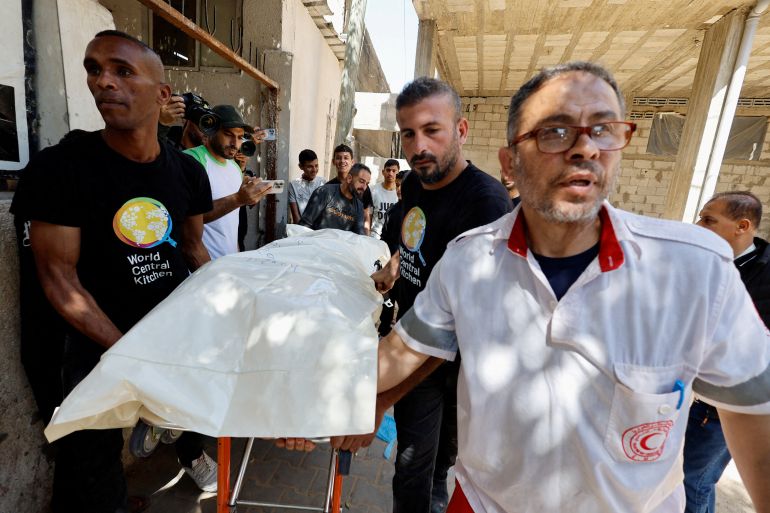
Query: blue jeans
[426, 420]
[705, 458]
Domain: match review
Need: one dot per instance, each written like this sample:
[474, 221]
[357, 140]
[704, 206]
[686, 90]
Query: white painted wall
[315, 87]
[25, 472]
[12, 74]
[79, 20]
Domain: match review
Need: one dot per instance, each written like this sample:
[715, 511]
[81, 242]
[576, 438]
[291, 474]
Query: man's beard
[441, 166]
[563, 211]
[221, 150]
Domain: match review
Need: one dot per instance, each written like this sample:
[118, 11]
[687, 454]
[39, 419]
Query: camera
[197, 110]
[249, 147]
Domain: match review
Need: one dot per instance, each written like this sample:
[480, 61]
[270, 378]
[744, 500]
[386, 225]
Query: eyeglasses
[609, 136]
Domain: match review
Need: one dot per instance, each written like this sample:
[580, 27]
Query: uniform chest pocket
[644, 424]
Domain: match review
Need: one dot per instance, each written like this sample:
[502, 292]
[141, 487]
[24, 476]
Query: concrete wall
[487, 120]
[371, 78]
[79, 20]
[52, 116]
[25, 472]
[372, 147]
[63, 100]
[217, 85]
[12, 71]
[315, 88]
[644, 178]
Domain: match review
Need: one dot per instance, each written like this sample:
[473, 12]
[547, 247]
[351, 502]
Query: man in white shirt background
[300, 189]
[230, 189]
[384, 196]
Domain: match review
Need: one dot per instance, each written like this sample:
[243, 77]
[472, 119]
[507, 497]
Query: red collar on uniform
[610, 253]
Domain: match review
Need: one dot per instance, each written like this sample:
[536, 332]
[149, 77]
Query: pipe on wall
[730, 105]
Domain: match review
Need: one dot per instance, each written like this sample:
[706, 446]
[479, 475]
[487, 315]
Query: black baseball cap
[231, 118]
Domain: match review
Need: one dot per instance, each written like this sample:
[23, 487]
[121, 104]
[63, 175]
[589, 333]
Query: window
[9, 138]
[174, 46]
[744, 142]
[220, 18]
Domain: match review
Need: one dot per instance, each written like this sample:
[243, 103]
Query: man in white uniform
[584, 330]
[229, 188]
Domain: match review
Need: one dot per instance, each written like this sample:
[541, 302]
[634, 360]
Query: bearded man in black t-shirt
[116, 221]
[339, 206]
[342, 159]
[442, 197]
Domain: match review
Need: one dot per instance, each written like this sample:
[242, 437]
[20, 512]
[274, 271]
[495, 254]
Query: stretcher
[228, 500]
[266, 309]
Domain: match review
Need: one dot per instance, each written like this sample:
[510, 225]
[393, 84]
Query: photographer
[230, 189]
[182, 107]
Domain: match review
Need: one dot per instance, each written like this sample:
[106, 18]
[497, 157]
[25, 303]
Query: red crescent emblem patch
[645, 442]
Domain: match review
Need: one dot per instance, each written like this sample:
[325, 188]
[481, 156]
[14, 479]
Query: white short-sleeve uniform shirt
[581, 404]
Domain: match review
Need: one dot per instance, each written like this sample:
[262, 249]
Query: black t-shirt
[391, 229]
[366, 198]
[563, 272]
[130, 215]
[328, 208]
[432, 218]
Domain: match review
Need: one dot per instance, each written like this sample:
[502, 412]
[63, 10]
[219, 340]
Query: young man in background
[300, 189]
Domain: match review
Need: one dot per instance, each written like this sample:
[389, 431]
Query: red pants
[458, 504]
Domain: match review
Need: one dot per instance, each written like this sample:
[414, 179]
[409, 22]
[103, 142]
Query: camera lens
[208, 122]
[248, 148]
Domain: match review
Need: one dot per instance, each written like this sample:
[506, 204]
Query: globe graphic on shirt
[143, 223]
[413, 229]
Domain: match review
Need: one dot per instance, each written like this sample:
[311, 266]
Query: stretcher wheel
[144, 440]
[169, 436]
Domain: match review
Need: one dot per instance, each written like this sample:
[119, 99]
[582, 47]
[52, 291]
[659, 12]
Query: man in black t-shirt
[442, 197]
[116, 220]
[342, 158]
[339, 206]
[391, 235]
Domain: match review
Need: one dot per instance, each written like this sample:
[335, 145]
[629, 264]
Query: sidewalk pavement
[273, 475]
[277, 475]
[731, 494]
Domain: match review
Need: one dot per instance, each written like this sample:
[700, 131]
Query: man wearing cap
[229, 188]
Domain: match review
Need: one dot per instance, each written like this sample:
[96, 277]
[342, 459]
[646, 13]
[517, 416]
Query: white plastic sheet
[274, 342]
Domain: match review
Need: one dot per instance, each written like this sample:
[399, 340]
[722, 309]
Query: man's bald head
[153, 59]
[126, 79]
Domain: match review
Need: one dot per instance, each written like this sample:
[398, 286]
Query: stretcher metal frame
[227, 501]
